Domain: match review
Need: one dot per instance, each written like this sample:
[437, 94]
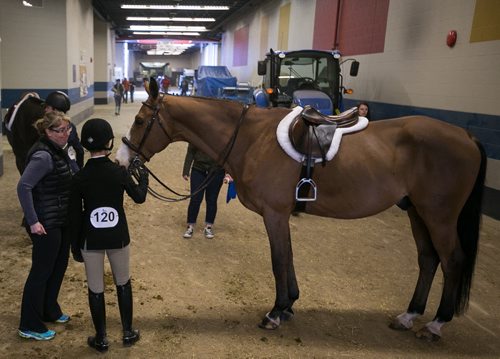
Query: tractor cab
[306, 77]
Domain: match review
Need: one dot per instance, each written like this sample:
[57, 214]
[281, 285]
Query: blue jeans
[211, 192]
[118, 103]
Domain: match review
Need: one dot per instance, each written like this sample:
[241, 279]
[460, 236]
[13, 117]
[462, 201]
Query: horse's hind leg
[428, 261]
[445, 238]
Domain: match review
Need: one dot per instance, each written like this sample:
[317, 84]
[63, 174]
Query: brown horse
[436, 169]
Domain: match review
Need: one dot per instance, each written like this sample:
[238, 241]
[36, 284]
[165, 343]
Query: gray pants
[94, 267]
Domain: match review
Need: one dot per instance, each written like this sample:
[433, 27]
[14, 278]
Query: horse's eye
[139, 121]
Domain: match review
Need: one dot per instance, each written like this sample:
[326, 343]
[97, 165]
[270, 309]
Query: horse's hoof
[397, 325]
[426, 334]
[269, 323]
[287, 315]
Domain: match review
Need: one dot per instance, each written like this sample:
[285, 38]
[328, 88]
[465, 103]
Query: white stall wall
[36, 49]
[417, 67]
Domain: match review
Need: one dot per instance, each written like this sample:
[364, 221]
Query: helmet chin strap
[110, 148]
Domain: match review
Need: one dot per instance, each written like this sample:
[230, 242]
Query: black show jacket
[97, 217]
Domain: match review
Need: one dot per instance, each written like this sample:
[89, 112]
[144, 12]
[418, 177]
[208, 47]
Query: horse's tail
[468, 226]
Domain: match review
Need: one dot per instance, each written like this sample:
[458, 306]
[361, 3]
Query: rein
[136, 162]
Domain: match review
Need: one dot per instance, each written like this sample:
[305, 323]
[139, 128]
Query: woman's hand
[37, 228]
[186, 177]
[228, 178]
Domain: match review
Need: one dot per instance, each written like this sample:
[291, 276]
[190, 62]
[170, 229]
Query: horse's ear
[153, 88]
[146, 86]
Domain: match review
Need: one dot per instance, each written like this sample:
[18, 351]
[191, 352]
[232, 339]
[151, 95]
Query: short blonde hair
[50, 120]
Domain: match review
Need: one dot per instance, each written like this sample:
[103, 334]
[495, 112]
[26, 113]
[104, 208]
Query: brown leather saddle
[311, 132]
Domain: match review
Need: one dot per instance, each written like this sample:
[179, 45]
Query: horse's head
[148, 134]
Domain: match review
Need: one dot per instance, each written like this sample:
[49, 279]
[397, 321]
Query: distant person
[165, 84]
[184, 87]
[132, 90]
[100, 228]
[118, 95]
[126, 88]
[363, 110]
[202, 166]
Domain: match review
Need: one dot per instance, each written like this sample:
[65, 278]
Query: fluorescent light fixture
[33, 3]
[174, 7]
[166, 28]
[170, 48]
[166, 33]
[186, 19]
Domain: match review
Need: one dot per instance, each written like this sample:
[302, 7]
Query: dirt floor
[203, 298]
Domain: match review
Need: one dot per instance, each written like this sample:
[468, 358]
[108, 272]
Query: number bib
[104, 217]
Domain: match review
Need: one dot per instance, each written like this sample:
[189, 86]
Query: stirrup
[305, 182]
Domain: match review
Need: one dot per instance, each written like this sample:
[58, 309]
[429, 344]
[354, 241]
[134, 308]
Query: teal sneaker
[28, 334]
[63, 319]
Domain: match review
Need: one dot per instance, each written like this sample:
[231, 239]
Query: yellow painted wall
[486, 22]
[284, 23]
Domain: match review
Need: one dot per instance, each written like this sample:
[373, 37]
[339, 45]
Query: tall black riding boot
[98, 312]
[124, 293]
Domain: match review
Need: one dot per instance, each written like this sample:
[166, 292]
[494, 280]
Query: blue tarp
[211, 79]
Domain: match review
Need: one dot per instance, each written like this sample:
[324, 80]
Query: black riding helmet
[96, 134]
[58, 100]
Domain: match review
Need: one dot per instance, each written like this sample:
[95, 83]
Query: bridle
[149, 126]
[137, 162]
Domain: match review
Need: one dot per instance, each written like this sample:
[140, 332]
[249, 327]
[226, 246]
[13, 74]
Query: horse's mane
[214, 99]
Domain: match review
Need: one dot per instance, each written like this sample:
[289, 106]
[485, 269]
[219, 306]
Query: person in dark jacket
[202, 167]
[101, 227]
[21, 133]
[118, 91]
[59, 101]
[43, 191]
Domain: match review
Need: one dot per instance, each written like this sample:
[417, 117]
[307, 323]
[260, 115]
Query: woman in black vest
[43, 192]
[98, 217]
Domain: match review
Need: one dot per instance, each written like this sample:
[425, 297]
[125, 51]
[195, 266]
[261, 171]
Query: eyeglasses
[60, 130]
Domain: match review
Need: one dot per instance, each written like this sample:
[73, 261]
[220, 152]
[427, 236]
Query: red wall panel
[240, 53]
[362, 26]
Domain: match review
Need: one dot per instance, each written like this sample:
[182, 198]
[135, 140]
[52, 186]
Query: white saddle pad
[286, 143]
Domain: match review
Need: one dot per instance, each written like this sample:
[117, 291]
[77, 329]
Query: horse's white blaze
[123, 153]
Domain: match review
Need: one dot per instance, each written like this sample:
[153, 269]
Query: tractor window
[307, 72]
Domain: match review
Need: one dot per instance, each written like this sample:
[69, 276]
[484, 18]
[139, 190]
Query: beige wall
[264, 27]
[41, 45]
[34, 45]
[417, 67]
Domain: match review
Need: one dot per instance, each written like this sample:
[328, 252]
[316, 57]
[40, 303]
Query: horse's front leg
[287, 291]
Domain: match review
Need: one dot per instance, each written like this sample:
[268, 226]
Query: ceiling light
[166, 28]
[33, 3]
[174, 7]
[166, 33]
[190, 19]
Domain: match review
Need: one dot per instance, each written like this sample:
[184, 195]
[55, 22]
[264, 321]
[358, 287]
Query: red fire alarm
[451, 39]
